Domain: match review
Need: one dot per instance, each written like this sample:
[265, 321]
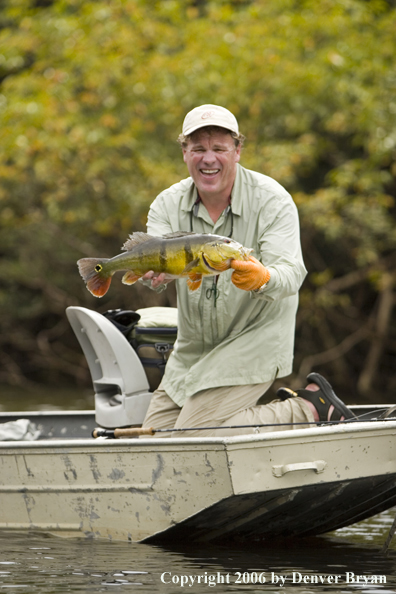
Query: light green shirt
[247, 338]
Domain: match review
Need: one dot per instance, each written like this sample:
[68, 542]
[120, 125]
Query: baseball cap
[209, 115]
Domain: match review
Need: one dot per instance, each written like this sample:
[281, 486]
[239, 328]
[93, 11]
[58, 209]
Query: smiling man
[236, 332]
[211, 156]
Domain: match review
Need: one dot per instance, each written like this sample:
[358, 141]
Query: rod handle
[125, 432]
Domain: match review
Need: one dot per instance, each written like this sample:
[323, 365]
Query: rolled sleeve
[280, 250]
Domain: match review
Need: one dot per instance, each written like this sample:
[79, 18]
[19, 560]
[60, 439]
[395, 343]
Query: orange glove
[249, 275]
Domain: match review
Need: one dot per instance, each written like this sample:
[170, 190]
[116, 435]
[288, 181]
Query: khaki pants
[229, 405]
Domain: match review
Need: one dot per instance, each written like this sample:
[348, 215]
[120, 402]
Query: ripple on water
[38, 563]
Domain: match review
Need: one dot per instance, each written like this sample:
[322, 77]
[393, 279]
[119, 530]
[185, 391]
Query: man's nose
[209, 156]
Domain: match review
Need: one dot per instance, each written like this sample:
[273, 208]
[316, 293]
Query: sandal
[322, 399]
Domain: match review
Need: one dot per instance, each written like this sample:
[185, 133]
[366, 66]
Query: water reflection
[32, 562]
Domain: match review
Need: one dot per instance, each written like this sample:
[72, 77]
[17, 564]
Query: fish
[180, 254]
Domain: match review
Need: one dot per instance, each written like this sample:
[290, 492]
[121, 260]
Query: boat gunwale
[343, 430]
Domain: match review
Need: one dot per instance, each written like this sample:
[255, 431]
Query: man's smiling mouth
[210, 171]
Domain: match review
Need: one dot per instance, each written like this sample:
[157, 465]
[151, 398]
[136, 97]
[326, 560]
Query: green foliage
[92, 97]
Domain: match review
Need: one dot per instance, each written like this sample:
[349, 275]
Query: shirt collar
[236, 192]
[189, 197]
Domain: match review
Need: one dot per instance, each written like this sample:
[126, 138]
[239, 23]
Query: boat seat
[120, 383]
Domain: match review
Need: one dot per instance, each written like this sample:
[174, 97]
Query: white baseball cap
[209, 115]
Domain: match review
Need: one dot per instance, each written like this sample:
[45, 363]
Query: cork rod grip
[126, 432]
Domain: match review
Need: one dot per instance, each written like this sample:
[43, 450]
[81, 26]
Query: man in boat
[236, 332]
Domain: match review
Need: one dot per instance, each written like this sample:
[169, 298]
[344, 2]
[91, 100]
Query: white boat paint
[136, 489]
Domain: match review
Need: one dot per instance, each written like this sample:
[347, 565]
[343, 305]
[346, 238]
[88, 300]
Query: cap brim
[197, 127]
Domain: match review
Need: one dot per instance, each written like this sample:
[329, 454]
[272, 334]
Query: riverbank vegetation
[92, 96]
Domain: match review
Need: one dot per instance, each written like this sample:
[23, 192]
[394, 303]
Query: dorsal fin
[135, 239]
[178, 234]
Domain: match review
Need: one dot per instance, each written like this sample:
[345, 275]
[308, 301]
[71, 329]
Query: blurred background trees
[92, 97]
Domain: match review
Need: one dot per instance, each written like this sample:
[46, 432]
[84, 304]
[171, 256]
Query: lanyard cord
[213, 290]
[194, 213]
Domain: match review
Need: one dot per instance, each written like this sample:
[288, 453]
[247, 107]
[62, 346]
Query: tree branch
[370, 368]
[338, 351]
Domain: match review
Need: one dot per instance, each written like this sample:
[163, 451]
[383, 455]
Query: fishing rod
[140, 431]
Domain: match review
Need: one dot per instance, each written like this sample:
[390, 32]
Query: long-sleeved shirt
[247, 338]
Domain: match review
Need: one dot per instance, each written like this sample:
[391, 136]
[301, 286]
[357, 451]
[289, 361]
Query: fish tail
[93, 273]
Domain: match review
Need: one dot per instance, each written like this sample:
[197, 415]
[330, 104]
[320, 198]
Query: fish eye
[227, 241]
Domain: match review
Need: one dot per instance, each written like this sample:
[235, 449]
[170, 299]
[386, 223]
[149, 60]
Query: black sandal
[322, 399]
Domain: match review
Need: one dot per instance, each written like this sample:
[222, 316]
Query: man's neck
[215, 205]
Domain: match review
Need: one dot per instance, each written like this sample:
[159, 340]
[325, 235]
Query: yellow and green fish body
[179, 254]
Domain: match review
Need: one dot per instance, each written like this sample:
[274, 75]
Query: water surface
[347, 560]
[14, 398]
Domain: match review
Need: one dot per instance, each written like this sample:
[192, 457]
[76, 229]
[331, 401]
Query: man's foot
[321, 399]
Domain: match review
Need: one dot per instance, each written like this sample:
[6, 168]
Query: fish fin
[194, 281]
[178, 234]
[97, 281]
[130, 278]
[136, 239]
[190, 266]
[220, 266]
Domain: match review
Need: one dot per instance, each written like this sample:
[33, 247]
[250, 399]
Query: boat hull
[279, 484]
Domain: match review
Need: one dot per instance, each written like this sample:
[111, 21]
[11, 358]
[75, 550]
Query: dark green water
[47, 564]
[44, 398]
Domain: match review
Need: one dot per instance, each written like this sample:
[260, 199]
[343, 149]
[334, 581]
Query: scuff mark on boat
[93, 464]
[89, 534]
[166, 508]
[69, 469]
[29, 503]
[116, 474]
[158, 471]
[207, 463]
[29, 472]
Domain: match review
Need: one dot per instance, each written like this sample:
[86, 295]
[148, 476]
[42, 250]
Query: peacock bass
[180, 254]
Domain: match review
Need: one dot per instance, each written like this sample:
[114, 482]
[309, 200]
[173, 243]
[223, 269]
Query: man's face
[211, 159]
